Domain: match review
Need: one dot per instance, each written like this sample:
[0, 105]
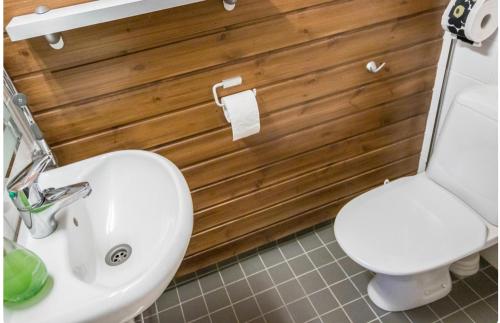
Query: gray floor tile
[422, 314]
[345, 291]
[156, 319]
[260, 281]
[323, 301]
[231, 274]
[332, 273]
[310, 241]
[337, 316]
[238, 290]
[481, 313]
[493, 301]
[326, 233]
[291, 248]
[492, 273]
[150, 311]
[290, 291]
[258, 320]
[167, 299]
[300, 265]
[204, 319]
[269, 300]
[443, 306]
[211, 282]
[171, 315]
[312, 282]
[395, 317]
[194, 309]
[374, 307]
[335, 250]
[320, 257]
[223, 316]
[361, 281]
[359, 311]
[279, 316]
[252, 265]
[481, 284]
[271, 256]
[280, 273]
[301, 310]
[458, 317]
[350, 267]
[217, 299]
[189, 290]
[246, 310]
[462, 294]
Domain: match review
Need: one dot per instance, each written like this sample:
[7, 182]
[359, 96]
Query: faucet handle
[23, 188]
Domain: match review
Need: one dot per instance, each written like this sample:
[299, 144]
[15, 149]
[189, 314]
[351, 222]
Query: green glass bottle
[24, 273]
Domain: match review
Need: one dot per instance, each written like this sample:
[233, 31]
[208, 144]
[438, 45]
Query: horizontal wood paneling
[288, 168]
[330, 129]
[152, 132]
[250, 212]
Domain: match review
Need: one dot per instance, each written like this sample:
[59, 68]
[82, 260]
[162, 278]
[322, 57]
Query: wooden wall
[330, 129]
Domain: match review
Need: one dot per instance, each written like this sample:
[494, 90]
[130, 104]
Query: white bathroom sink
[139, 199]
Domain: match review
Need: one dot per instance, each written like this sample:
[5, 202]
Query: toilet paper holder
[227, 83]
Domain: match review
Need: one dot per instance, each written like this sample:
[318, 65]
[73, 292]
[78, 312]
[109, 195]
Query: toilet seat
[408, 226]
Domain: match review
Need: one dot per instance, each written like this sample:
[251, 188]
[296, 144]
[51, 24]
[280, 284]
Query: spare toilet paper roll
[242, 112]
[472, 21]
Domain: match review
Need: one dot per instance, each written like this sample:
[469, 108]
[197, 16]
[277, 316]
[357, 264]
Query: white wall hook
[229, 5]
[372, 67]
[227, 83]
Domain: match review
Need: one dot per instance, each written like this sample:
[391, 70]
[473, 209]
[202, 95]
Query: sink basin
[141, 208]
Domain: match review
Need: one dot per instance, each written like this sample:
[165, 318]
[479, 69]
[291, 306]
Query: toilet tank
[464, 160]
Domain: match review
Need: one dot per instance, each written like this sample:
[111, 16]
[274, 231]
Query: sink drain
[118, 255]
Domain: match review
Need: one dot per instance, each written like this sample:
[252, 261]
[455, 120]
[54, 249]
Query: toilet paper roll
[242, 112]
[472, 21]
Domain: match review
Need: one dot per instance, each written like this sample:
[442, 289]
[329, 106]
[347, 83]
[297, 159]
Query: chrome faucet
[38, 208]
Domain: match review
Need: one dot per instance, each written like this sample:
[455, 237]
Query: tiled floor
[308, 278]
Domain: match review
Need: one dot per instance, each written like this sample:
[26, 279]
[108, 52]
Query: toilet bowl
[411, 230]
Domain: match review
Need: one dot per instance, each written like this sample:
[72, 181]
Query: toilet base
[399, 293]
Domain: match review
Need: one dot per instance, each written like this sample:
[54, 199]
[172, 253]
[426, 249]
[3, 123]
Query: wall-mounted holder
[227, 83]
[50, 23]
[55, 40]
[229, 5]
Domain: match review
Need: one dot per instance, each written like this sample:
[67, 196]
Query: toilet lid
[408, 226]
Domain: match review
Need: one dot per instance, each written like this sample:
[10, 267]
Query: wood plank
[94, 116]
[118, 38]
[154, 132]
[300, 204]
[244, 160]
[268, 234]
[65, 86]
[220, 142]
[297, 165]
[264, 198]
[260, 237]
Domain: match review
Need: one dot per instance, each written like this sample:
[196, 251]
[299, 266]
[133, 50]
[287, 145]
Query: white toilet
[410, 231]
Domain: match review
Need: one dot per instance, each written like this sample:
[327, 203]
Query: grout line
[245, 277]
[480, 297]
[460, 307]
[347, 275]
[204, 300]
[316, 268]
[265, 290]
[227, 293]
[180, 304]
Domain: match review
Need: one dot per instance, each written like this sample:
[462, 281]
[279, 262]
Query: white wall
[470, 66]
